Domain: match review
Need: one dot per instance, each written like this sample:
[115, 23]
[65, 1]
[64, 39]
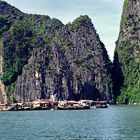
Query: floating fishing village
[45, 104]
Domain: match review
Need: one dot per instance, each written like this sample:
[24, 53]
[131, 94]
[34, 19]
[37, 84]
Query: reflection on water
[113, 123]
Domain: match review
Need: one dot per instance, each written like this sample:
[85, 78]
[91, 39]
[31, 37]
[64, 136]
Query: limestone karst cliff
[126, 71]
[42, 57]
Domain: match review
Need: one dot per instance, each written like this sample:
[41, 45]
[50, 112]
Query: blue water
[113, 123]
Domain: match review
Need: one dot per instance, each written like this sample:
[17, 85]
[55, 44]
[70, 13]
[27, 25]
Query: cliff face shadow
[89, 92]
[118, 77]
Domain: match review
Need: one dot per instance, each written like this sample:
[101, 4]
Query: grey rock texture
[74, 66]
[126, 71]
[42, 57]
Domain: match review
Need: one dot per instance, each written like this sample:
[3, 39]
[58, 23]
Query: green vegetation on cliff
[127, 56]
[17, 48]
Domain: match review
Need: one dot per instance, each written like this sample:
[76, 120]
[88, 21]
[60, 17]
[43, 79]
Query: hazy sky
[105, 14]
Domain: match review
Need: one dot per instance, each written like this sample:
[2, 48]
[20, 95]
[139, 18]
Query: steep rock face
[74, 66]
[1, 85]
[42, 57]
[17, 39]
[127, 55]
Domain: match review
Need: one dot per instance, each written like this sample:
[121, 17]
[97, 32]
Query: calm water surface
[113, 123]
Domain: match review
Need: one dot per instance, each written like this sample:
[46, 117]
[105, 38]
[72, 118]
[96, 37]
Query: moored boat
[101, 104]
[71, 105]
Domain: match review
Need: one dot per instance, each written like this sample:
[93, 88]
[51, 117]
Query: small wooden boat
[101, 104]
[10, 108]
